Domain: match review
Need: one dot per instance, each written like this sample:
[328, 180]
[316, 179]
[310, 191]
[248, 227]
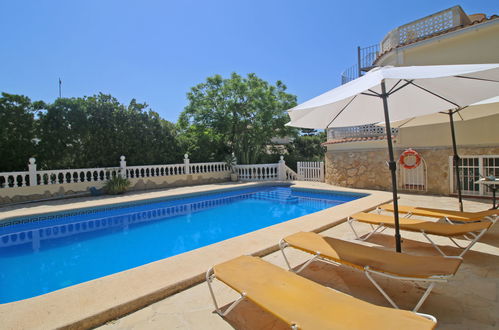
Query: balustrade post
[186, 164]
[32, 172]
[122, 167]
[281, 169]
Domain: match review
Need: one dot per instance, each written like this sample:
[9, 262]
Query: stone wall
[358, 169]
[367, 168]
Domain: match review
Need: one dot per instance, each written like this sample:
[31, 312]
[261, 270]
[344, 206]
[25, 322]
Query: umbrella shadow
[248, 315]
[491, 237]
[468, 297]
[386, 241]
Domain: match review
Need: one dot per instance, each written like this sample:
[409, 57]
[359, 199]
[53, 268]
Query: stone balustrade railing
[266, 172]
[291, 175]
[424, 27]
[369, 130]
[34, 177]
[154, 170]
[14, 179]
[257, 172]
[75, 175]
[208, 167]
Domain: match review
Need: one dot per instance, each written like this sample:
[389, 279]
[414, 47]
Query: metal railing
[414, 179]
[365, 59]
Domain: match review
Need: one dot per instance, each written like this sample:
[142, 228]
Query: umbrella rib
[339, 113]
[473, 78]
[396, 90]
[374, 93]
[434, 94]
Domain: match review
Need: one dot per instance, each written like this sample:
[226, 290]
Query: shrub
[116, 185]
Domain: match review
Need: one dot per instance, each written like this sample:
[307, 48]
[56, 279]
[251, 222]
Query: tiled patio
[468, 301]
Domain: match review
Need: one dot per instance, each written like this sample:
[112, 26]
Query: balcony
[419, 29]
[427, 26]
[365, 59]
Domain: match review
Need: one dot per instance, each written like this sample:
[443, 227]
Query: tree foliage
[306, 147]
[83, 132]
[237, 114]
[17, 131]
[95, 131]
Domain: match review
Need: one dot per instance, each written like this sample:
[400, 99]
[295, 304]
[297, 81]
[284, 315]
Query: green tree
[306, 147]
[237, 114]
[17, 132]
[61, 131]
[95, 131]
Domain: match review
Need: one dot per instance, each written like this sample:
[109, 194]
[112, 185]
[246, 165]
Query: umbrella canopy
[414, 91]
[473, 111]
[398, 93]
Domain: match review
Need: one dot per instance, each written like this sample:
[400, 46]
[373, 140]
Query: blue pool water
[43, 256]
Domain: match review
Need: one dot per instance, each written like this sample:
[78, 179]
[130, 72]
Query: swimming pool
[63, 250]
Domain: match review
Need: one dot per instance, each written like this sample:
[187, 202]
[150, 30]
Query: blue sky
[155, 51]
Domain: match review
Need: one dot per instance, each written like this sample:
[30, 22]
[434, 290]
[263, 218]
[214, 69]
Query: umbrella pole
[392, 166]
[456, 160]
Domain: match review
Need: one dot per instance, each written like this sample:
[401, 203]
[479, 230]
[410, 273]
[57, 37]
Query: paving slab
[467, 301]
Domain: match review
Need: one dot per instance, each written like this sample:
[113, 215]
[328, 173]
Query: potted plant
[116, 185]
[231, 162]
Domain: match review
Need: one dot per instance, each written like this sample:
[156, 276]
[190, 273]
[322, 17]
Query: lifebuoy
[410, 159]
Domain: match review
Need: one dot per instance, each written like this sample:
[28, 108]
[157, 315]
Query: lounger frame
[210, 277]
[407, 215]
[432, 280]
[475, 236]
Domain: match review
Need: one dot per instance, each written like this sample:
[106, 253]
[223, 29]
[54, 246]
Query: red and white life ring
[410, 159]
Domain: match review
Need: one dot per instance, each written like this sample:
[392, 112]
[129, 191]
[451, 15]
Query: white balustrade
[208, 167]
[259, 172]
[48, 177]
[290, 175]
[14, 179]
[154, 170]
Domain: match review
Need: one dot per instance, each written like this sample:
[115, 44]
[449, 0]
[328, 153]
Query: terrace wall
[367, 169]
[29, 193]
[33, 184]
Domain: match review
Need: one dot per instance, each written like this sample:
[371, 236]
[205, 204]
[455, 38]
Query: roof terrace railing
[423, 27]
[361, 131]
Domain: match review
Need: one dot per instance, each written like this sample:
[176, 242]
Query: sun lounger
[475, 229]
[371, 260]
[448, 215]
[304, 304]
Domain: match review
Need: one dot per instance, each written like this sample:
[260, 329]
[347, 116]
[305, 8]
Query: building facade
[356, 156]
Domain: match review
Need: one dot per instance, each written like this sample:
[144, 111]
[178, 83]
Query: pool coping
[95, 302]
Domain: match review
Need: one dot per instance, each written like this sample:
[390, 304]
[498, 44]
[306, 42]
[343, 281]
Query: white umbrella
[480, 109]
[407, 91]
[473, 111]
